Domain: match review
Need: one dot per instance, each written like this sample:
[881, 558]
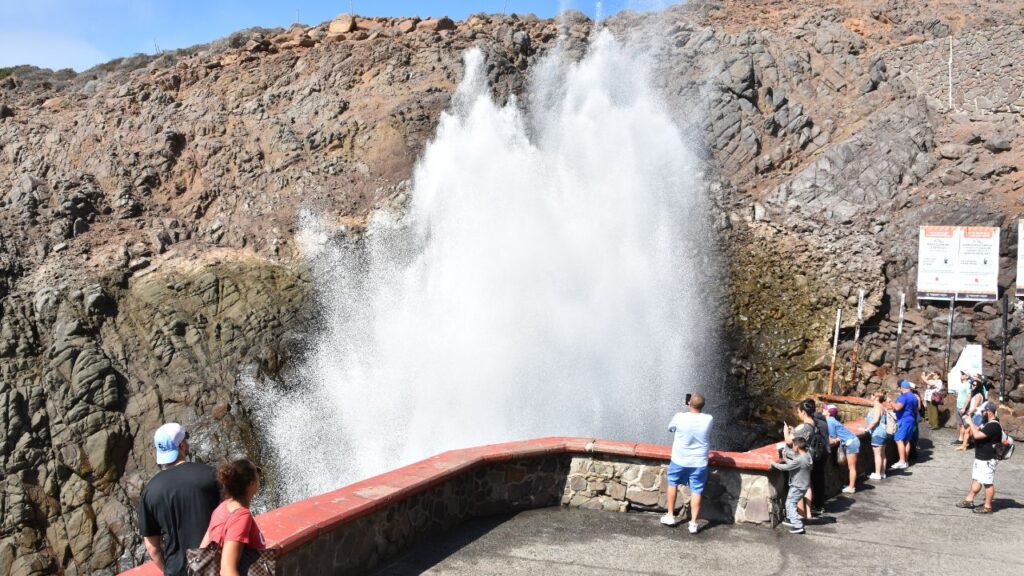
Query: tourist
[798, 463]
[934, 395]
[962, 390]
[906, 407]
[816, 435]
[232, 526]
[176, 505]
[841, 438]
[877, 419]
[972, 411]
[986, 437]
[689, 465]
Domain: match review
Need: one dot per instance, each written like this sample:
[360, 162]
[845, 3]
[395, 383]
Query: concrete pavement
[904, 525]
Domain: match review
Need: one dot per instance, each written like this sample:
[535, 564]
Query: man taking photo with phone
[689, 465]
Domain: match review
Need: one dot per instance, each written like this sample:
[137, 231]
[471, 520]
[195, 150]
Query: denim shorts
[853, 447]
[684, 476]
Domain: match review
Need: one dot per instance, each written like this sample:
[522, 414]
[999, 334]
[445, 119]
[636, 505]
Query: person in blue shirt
[841, 438]
[906, 407]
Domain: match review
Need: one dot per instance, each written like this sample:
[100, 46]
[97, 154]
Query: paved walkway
[906, 525]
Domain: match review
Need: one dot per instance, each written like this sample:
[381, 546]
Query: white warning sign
[936, 262]
[1020, 258]
[958, 262]
[978, 264]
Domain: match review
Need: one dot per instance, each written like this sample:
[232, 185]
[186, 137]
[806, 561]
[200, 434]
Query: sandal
[965, 504]
[983, 510]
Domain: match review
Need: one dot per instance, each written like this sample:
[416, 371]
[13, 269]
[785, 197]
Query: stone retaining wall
[356, 528]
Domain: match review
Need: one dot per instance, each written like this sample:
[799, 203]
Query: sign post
[1002, 351]
[949, 335]
[835, 347]
[899, 332]
[856, 335]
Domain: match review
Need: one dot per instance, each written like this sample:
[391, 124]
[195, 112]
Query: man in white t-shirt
[689, 465]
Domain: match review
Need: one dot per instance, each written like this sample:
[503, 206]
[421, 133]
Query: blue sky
[81, 33]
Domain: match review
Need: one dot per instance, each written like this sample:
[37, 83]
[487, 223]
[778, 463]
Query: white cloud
[47, 50]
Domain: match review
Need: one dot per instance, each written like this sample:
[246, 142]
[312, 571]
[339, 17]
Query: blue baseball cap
[906, 384]
[168, 439]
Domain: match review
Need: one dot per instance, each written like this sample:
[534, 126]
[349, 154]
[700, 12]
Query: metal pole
[835, 348]
[1002, 352]
[899, 333]
[949, 332]
[856, 335]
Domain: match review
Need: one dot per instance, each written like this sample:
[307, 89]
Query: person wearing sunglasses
[232, 526]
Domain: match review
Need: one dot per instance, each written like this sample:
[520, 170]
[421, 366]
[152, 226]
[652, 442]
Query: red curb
[657, 451]
[285, 530]
[291, 526]
[845, 399]
[615, 448]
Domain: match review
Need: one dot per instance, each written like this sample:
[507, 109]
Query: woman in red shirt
[232, 526]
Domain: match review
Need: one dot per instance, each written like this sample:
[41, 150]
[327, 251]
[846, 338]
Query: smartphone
[688, 396]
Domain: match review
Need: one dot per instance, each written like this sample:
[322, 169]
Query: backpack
[817, 444]
[1004, 449]
[890, 422]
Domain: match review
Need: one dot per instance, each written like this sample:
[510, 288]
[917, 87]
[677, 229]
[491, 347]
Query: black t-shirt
[985, 449]
[177, 504]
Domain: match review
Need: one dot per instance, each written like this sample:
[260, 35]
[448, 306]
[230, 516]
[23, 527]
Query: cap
[906, 384]
[988, 406]
[832, 410]
[168, 439]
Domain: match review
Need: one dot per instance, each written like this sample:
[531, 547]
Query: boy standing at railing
[798, 463]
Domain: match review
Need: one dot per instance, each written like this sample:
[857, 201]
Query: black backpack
[817, 443]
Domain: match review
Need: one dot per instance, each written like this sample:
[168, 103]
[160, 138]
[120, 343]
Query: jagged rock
[6, 111]
[997, 145]
[342, 24]
[437, 24]
[953, 151]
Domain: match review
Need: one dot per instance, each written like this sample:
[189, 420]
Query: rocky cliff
[149, 209]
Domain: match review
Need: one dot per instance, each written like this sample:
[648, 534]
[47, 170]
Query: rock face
[150, 247]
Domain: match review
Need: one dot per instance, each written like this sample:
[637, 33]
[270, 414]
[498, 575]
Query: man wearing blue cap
[177, 503]
[906, 408]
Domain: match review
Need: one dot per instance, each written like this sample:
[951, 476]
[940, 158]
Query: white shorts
[984, 471]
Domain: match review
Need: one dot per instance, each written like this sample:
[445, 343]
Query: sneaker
[875, 476]
[693, 527]
[797, 531]
[669, 520]
[788, 524]
[849, 490]
[818, 511]
[899, 466]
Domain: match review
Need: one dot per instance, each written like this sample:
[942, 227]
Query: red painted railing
[291, 526]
